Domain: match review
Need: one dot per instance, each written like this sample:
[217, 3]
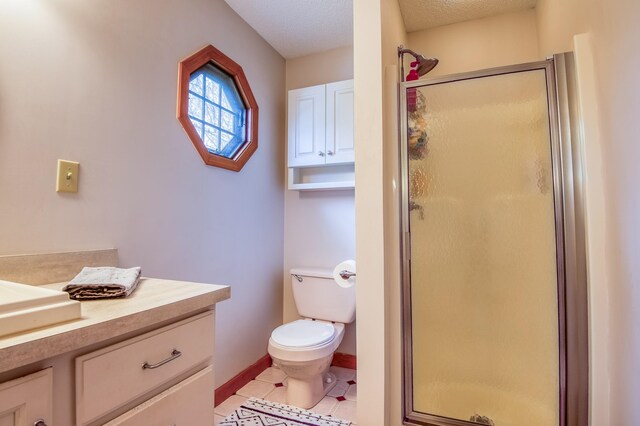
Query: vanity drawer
[116, 375]
[190, 402]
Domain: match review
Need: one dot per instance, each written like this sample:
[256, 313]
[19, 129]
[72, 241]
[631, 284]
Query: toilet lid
[303, 333]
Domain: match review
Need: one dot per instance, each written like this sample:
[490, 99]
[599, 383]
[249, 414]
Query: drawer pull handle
[175, 354]
[39, 422]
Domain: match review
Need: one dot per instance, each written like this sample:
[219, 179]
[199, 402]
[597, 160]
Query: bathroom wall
[319, 227]
[495, 41]
[95, 82]
[558, 22]
[393, 35]
[378, 30]
[613, 230]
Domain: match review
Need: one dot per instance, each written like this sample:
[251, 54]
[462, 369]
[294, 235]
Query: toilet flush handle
[297, 277]
[345, 275]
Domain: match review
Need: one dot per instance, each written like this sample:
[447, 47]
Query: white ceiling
[299, 27]
[423, 14]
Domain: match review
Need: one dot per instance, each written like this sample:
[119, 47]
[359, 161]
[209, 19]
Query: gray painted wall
[95, 82]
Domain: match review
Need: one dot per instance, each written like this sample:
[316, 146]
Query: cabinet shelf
[322, 178]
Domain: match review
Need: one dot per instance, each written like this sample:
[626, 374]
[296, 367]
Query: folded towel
[104, 282]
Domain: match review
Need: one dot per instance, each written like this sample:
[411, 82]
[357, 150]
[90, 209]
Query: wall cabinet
[321, 139]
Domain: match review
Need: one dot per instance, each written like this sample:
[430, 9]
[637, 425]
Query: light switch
[67, 176]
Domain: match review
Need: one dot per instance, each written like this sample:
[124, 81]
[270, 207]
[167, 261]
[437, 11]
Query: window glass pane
[213, 91]
[195, 106]
[198, 126]
[195, 85]
[227, 121]
[211, 114]
[211, 138]
[218, 103]
[225, 138]
[225, 101]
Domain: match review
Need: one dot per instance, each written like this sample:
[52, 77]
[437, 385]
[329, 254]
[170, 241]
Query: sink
[25, 307]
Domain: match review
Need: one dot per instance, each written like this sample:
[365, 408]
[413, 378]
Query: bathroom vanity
[148, 356]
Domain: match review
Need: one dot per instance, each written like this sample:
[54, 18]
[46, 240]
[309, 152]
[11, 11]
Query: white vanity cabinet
[143, 359]
[28, 400]
[147, 364]
[320, 136]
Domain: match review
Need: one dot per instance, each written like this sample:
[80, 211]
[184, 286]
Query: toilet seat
[303, 334]
[307, 353]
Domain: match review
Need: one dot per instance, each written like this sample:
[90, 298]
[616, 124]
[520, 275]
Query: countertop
[153, 302]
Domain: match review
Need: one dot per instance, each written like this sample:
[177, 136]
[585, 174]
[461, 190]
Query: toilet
[304, 348]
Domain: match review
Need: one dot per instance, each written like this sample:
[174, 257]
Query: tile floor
[271, 385]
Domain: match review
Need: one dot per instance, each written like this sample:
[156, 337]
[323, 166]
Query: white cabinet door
[340, 141]
[28, 399]
[307, 126]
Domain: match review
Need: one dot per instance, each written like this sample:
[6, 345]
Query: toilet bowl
[304, 348]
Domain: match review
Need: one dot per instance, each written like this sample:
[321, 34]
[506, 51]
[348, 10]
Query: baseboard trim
[241, 379]
[344, 360]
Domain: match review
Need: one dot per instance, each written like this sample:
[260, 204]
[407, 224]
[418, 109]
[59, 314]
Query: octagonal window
[217, 109]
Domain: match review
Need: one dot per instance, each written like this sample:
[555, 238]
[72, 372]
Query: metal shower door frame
[566, 140]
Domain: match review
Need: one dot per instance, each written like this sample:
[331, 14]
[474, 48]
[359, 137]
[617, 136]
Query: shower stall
[494, 282]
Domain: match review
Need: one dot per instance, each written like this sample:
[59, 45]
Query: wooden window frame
[211, 55]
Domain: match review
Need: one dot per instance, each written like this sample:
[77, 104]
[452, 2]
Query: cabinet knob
[39, 422]
[321, 154]
[330, 152]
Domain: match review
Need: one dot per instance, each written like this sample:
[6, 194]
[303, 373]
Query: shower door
[483, 259]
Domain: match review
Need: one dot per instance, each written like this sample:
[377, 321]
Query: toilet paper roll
[349, 266]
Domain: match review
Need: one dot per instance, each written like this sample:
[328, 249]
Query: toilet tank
[318, 296]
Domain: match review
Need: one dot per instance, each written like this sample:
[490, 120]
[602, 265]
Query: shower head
[424, 65]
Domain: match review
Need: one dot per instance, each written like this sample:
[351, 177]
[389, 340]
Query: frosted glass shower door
[484, 342]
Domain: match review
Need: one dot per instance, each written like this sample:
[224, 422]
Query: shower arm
[401, 51]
